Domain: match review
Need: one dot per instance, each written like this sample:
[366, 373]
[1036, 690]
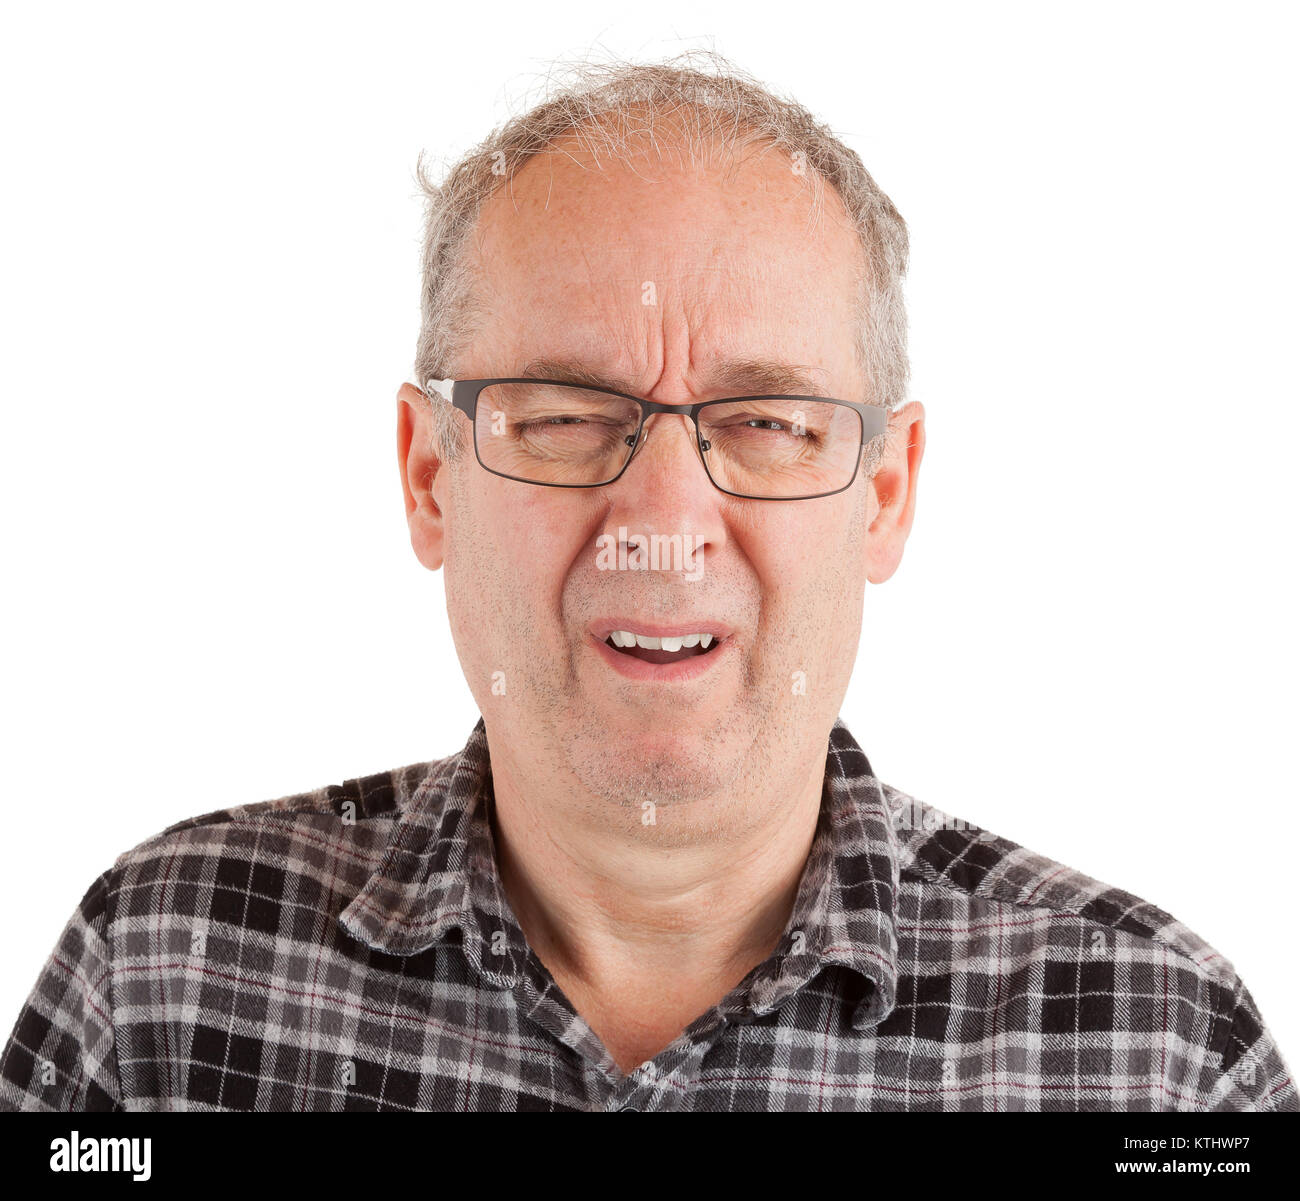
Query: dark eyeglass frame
[463, 394]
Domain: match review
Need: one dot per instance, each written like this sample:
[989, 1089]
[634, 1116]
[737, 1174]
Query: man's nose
[665, 485]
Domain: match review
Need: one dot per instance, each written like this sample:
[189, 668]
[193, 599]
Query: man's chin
[660, 759]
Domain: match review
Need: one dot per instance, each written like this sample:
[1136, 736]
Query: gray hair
[709, 102]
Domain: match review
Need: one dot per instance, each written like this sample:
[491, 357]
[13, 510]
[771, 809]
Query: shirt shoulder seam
[1223, 974]
[325, 801]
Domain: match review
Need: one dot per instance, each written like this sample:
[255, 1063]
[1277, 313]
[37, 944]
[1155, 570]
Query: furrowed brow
[731, 377]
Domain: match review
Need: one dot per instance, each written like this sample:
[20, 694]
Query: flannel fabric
[352, 948]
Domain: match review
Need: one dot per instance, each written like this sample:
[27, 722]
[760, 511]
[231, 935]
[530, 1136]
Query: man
[659, 445]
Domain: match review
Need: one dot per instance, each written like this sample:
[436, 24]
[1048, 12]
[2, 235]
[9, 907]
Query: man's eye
[558, 419]
[775, 426]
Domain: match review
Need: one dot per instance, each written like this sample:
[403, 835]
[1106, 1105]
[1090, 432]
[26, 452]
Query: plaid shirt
[352, 948]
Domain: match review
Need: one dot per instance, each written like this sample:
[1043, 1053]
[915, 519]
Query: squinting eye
[560, 420]
[775, 426]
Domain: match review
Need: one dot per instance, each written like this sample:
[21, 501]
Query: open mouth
[662, 650]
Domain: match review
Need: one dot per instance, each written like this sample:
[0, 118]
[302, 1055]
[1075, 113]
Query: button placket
[640, 1090]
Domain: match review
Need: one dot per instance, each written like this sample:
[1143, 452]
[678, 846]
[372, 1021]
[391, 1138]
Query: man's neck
[642, 933]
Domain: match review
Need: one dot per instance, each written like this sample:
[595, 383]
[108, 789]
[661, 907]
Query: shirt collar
[438, 874]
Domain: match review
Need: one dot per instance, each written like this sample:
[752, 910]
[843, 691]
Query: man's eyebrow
[733, 377]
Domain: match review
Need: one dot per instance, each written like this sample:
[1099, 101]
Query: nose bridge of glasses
[656, 410]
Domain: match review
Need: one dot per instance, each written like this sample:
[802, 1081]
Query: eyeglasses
[565, 435]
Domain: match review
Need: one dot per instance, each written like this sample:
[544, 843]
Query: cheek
[510, 550]
[812, 577]
[802, 554]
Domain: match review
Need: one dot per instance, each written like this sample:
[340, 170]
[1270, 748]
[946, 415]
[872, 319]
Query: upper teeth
[625, 638]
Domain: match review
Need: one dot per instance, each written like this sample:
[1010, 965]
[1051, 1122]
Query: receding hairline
[748, 376]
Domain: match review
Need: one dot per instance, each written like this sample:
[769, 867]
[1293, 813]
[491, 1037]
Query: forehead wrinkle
[739, 375]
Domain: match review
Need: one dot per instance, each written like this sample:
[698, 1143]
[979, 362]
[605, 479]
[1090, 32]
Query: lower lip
[681, 672]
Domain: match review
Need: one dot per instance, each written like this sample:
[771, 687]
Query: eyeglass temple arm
[442, 387]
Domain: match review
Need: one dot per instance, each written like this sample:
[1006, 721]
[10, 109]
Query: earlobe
[418, 466]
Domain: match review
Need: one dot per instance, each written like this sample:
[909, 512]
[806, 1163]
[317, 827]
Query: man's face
[655, 277]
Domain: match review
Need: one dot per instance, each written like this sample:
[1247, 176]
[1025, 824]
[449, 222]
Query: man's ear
[419, 465]
[893, 488]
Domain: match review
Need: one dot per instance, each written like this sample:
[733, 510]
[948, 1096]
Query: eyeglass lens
[551, 433]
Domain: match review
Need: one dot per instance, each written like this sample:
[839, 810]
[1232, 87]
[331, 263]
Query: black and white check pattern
[351, 948]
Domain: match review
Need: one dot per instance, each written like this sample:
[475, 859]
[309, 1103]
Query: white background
[208, 298]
